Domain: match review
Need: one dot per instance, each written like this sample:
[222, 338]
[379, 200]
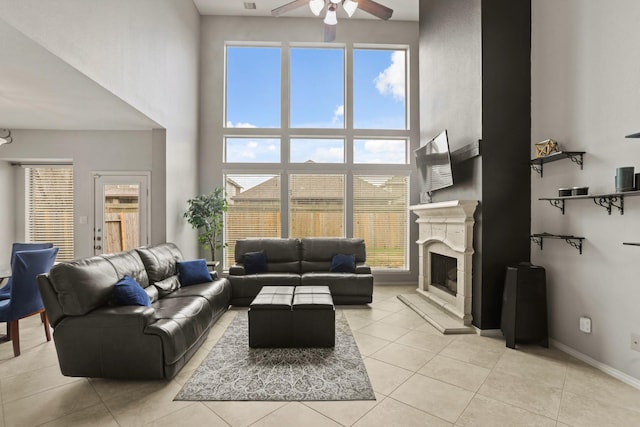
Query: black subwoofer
[524, 305]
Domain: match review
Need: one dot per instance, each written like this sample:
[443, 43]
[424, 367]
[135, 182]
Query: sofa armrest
[133, 316]
[362, 268]
[237, 270]
[214, 275]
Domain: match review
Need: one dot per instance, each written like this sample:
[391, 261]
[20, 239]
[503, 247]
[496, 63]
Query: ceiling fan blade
[329, 32]
[288, 7]
[376, 9]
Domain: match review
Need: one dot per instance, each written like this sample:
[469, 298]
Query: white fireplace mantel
[446, 228]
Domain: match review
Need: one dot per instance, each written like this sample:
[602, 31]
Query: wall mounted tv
[433, 160]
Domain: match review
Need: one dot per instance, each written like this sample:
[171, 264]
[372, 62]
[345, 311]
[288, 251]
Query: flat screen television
[433, 160]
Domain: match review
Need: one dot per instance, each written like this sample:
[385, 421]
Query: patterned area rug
[233, 371]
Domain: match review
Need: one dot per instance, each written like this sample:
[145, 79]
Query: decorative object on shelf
[573, 241]
[564, 192]
[546, 147]
[633, 135]
[624, 179]
[206, 214]
[5, 136]
[579, 191]
[576, 157]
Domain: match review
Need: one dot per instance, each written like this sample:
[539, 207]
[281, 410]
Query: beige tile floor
[420, 377]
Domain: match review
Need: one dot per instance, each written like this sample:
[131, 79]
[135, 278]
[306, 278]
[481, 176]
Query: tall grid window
[49, 208]
[316, 145]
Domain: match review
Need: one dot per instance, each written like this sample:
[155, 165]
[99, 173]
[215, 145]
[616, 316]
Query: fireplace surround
[446, 229]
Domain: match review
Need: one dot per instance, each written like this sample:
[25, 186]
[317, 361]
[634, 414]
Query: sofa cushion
[83, 285]
[129, 292]
[340, 283]
[181, 322]
[130, 264]
[255, 262]
[160, 260]
[317, 252]
[166, 286]
[193, 272]
[245, 288]
[283, 255]
[342, 263]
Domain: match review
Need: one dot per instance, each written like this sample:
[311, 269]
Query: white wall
[89, 151]
[144, 51]
[586, 95]
[7, 218]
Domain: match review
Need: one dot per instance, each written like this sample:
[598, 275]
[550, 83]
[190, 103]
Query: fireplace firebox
[444, 273]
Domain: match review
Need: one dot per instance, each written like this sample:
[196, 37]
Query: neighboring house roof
[323, 188]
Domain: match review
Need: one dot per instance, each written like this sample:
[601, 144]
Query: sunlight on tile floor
[421, 378]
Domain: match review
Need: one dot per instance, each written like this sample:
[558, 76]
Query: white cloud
[252, 144]
[392, 80]
[240, 125]
[338, 113]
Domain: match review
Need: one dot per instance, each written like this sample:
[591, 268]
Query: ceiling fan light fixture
[5, 136]
[335, 1]
[316, 6]
[332, 17]
[350, 7]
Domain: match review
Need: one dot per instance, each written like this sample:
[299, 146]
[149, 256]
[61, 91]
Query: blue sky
[317, 100]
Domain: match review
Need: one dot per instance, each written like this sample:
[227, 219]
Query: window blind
[49, 208]
[253, 211]
[380, 206]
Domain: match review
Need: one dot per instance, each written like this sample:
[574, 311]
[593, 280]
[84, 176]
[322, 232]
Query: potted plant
[206, 214]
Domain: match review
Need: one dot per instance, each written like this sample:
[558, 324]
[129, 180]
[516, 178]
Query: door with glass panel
[121, 212]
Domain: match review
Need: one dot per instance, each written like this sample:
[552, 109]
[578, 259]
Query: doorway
[121, 212]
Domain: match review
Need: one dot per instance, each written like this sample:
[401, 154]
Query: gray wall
[586, 95]
[147, 53]
[474, 80]
[89, 151]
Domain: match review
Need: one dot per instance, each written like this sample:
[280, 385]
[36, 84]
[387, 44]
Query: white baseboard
[627, 379]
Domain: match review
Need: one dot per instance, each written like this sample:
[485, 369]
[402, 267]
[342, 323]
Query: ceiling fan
[330, 19]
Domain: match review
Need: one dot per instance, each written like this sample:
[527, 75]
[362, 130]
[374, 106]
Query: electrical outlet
[635, 342]
[585, 324]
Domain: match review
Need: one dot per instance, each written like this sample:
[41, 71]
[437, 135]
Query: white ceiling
[403, 10]
[38, 90]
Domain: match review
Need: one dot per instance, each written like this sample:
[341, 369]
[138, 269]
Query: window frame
[348, 168]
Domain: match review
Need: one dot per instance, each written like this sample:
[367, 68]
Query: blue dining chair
[5, 291]
[25, 299]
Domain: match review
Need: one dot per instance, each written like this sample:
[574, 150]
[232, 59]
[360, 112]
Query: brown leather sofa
[302, 262]
[94, 338]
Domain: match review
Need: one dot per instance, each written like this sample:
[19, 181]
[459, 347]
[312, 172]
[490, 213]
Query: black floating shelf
[633, 135]
[607, 201]
[537, 164]
[573, 241]
[631, 243]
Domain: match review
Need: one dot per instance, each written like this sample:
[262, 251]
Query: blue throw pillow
[128, 292]
[193, 272]
[255, 262]
[342, 263]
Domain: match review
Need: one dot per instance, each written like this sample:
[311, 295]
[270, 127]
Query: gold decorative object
[547, 147]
